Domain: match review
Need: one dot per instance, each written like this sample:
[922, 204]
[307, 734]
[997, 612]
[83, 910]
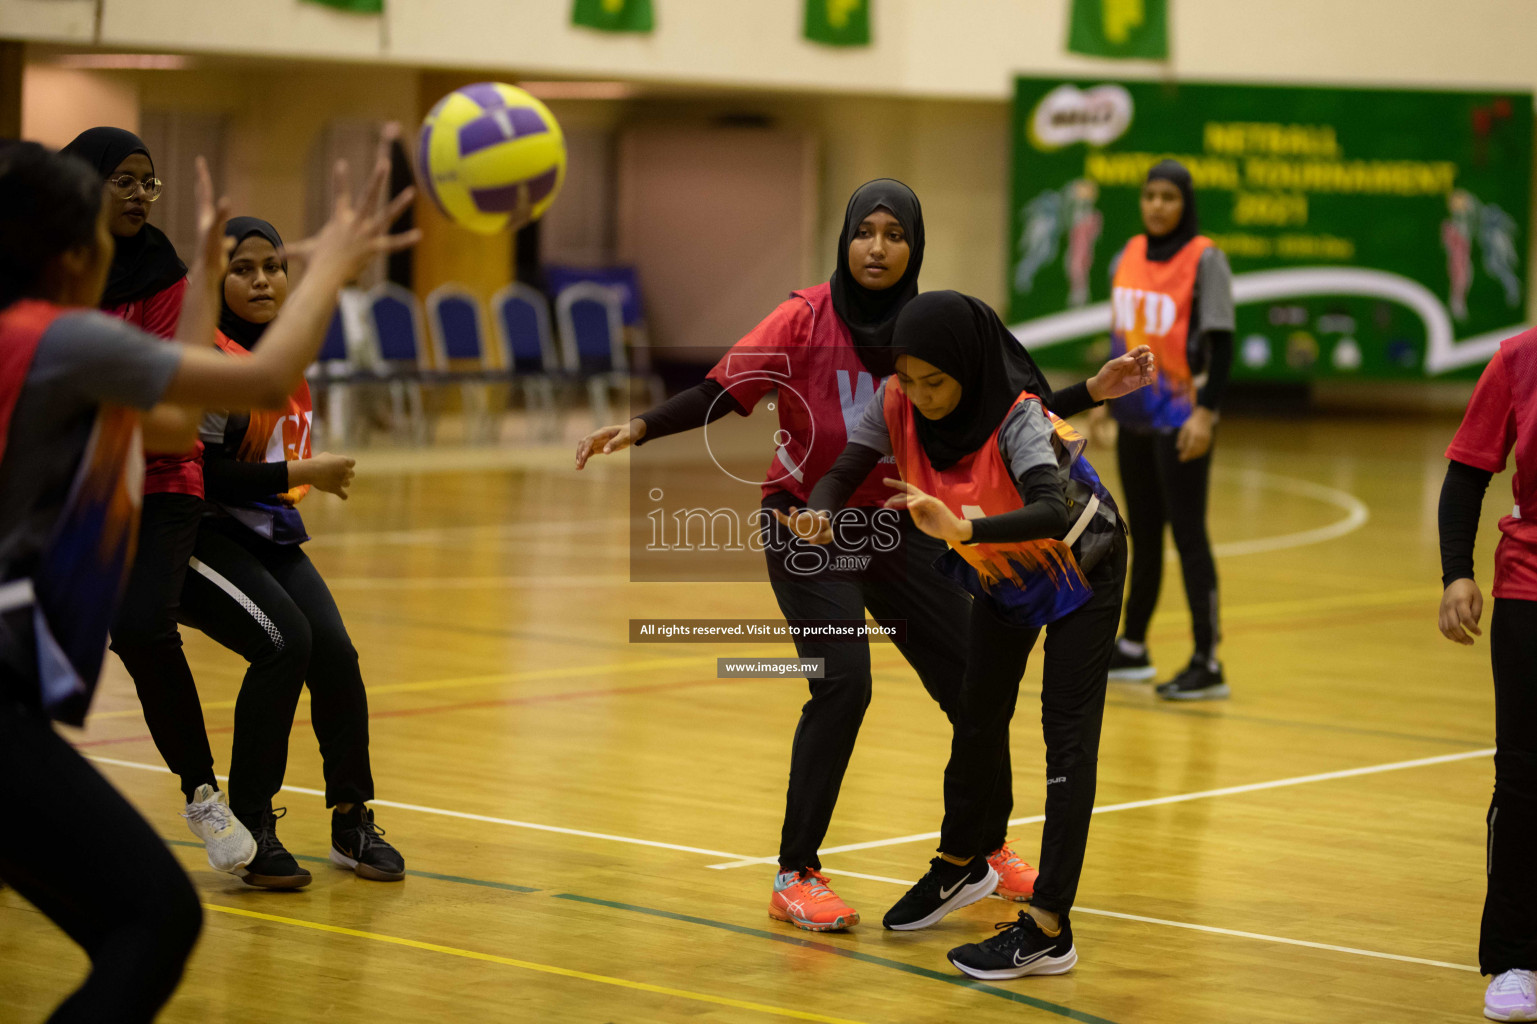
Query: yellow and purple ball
[487, 151]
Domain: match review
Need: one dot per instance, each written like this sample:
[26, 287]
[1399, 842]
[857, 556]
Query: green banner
[838, 22]
[1372, 233]
[1120, 28]
[355, 6]
[614, 15]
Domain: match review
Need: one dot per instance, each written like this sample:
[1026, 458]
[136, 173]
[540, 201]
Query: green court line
[505, 886]
[959, 981]
[794, 940]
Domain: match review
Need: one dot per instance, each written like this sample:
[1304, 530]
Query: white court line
[1252, 787]
[451, 814]
[1260, 936]
[898, 881]
[1357, 514]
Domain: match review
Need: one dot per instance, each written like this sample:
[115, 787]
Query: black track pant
[76, 850]
[1508, 937]
[1078, 648]
[267, 603]
[145, 637]
[1162, 491]
[899, 585]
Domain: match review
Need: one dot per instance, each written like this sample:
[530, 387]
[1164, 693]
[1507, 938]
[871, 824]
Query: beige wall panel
[57, 104]
[288, 28]
[59, 21]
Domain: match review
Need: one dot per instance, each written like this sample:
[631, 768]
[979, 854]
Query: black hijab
[146, 263]
[1161, 248]
[964, 337]
[871, 315]
[234, 327]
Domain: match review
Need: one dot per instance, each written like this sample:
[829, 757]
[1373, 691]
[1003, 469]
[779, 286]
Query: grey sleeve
[871, 430]
[1214, 292]
[97, 358]
[211, 427]
[1025, 440]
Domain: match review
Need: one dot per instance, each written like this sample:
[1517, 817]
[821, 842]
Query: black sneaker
[1199, 681]
[357, 843]
[1125, 666]
[943, 888]
[273, 867]
[1019, 948]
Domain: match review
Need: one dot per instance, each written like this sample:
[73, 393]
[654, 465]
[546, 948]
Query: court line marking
[958, 980]
[1252, 787]
[443, 812]
[529, 965]
[1260, 936]
[1357, 515]
[457, 879]
[489, 679]
[474, 705]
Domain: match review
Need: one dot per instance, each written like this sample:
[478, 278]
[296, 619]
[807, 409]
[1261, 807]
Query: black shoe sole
[1047, 965]
[277, 881]
[362, 870]
[1218, 692]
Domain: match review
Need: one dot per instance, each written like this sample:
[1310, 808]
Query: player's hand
[608, 440]
[929, 514]
[1194, 439]
[356, 233]
[1123, 375]
[1102, 430]
[811, 527]
[1461, 607]
[213, 249]
[326, 472]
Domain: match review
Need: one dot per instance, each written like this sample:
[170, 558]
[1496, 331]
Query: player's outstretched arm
[608, 440]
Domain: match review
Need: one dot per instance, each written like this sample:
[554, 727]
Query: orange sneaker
[804, 899]
[1016, 879]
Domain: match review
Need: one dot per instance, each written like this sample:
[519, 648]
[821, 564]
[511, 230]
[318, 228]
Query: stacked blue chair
[520, 315]
[592, 335]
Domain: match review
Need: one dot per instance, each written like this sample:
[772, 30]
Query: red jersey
[1503, 415]
[1032, 583]
[79, 576]
[804, 351]
[158, 314]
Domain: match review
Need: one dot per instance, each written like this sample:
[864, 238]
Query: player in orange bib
[1037, 540]
[1172, 290]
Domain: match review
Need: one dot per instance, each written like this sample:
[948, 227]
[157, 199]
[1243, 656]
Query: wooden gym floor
[575, 810]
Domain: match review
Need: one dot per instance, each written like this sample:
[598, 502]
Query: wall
[928, 103]
[57, 104]
[920, 48]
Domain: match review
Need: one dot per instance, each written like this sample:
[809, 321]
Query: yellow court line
[529, 965]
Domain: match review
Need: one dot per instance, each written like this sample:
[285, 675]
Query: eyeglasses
[125, 185]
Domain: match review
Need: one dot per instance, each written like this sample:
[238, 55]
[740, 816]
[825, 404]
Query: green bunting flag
[1120, 28]
[838, 22]
[355, 6]
[614, 15]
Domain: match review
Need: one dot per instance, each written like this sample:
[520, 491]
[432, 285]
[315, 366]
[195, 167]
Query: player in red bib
[252, 588]
[827, 350]
[1172, 290]
[1502, 417]
[1036, 538]
[72, 386]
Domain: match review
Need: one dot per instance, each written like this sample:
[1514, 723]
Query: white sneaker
[1512, 996]
[229, 844]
